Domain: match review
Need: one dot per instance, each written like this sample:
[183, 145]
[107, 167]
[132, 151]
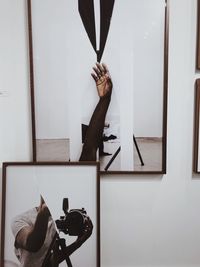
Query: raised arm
[31, 238]
[94, 133]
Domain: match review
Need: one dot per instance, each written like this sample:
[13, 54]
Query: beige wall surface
[145, 220]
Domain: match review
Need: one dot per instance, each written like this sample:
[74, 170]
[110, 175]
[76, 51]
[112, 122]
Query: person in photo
[94, 133]
[36, 238]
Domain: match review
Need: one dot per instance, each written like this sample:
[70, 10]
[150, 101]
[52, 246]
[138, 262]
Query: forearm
[62, 252]
[95, 129]
[67, 251]
[36, 237]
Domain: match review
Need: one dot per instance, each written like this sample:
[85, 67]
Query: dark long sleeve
[95, 129]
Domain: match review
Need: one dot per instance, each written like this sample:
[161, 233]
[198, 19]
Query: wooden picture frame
[198, 37]
[196, 157]
[136, 123]
[24, 183]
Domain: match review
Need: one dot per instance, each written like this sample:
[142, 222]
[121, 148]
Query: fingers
[99, 71]
[94, 77]
[105, 68]
[88, 225]
[87, 231]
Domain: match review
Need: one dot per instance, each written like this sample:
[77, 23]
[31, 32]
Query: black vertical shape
[106, 10]
[86, 11]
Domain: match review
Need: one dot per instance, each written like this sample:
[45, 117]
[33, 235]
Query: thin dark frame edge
[165, 88]
[196, 126]
[3, 212]
[198, 36]
[31, 77]
[75, 163]
[98, 215]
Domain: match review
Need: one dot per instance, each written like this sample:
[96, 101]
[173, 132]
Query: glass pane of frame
[61, 200]
[131, 38]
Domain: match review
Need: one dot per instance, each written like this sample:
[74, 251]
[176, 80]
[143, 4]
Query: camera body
[73, 222]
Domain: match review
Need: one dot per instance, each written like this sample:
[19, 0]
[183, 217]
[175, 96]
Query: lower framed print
[50, 215]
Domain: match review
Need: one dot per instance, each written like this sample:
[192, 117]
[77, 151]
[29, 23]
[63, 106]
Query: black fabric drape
[86, 10]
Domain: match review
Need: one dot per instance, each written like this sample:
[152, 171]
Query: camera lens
[75, 223]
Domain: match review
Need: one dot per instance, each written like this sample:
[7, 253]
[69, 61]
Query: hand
[87, 232]
[102, 79]
[43, 207]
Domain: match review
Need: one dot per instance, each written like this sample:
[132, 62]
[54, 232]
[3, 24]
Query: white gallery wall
[145, 220]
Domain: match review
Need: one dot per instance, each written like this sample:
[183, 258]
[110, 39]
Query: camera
[73, 222]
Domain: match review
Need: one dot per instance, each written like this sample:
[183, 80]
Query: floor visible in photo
[150, 149]
[52, 149]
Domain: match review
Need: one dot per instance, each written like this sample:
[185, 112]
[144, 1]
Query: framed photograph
[198, 37]
[120, 111]
[50, 215]
[196, 166]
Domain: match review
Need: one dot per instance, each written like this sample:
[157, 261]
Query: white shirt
[26, 258]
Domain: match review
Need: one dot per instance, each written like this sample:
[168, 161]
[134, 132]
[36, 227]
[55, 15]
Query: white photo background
[24, 184]
[65, 93]
[22, 194]
[78, 184]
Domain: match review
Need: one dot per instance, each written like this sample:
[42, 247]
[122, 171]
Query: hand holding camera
[43, 209]
[76, 222]
[87, 231]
